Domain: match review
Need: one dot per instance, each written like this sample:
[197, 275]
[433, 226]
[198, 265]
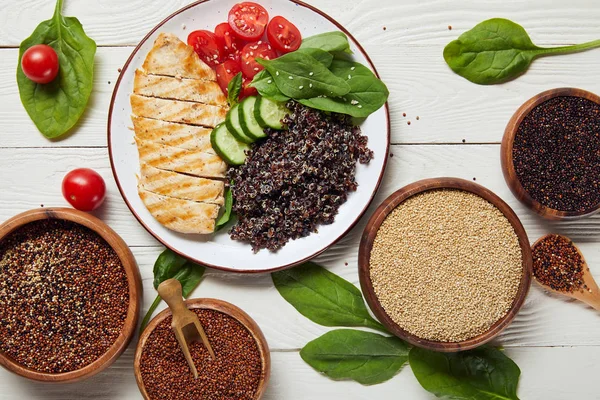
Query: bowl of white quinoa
[445, 264]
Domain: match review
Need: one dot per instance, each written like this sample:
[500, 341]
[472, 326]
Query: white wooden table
[555, 342]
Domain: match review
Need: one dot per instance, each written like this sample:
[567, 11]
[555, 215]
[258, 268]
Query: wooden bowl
[506, 154]
[225, 308]
[133, 278]
[366, 244]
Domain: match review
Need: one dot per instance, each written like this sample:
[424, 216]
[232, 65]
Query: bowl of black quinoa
[551, 154]
[70, 295]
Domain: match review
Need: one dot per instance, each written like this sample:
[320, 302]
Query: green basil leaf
[189, 276]
[321, 56]
[483, 373]
[224, 219]
[266, 87]
[300, 76]
[365, 357]
[56, 107]
[166, 266]
[324, 297]
[498, 50]
[329, 41]
[233, 89]
[367, 92]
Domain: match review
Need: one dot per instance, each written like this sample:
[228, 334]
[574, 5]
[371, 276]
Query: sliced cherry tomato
[206, 45]
[84, 189]
[250, 52]
[247, 90]
[225, 73]
[248, 20]
[283, 35]
[40, 63]
[227, 39]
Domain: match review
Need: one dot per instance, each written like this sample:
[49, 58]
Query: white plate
[219, 251]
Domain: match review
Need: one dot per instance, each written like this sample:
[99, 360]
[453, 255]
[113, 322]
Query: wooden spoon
[186, 325]
[591, 295]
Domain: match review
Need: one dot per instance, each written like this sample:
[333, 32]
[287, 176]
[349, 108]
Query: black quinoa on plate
[296, 179]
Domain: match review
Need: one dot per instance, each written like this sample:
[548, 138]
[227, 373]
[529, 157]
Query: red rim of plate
[247, 271]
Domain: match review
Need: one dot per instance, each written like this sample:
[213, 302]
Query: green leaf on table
[171, 265]
[323, 297]
[233, 89]
[56, 107]
[266, 87]
[367, 93]
[498, 50]
[224, 219]
[365, 357]
[321, 56]
[301, 76]
[483, 374]
[335, 41]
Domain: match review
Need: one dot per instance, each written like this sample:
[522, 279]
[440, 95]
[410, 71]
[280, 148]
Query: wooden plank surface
[556, 342]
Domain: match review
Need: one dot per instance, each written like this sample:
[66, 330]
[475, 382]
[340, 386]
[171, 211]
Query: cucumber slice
[233, 125]
[227, 146]
[249, 125]
[269, 113]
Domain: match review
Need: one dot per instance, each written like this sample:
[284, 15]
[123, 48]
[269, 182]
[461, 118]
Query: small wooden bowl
[366, 244]
[225, 308]
[133, 278]
[506, 154]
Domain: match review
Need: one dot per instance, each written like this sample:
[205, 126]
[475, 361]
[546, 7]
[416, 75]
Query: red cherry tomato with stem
[84, 189]
[227, 39]
[206, 45]
[248, 20]
[250, 52]
[283, 35]
[225, 73]
[40, 63]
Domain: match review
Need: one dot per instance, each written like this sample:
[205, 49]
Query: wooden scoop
[591, 295]
[186, 325]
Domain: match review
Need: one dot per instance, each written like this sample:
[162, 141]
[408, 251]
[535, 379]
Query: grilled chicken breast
[177, 111]
[168, 87]
[180, 186]
[181, 215]
[184, 136]
[171, 57]
[169, 158]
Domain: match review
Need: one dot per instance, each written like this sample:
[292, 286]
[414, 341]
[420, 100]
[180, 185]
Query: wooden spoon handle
[170, 292]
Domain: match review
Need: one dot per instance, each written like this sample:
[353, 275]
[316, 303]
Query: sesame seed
[311, 73]
[352, 69]
[269, 81]
[291, 77]
[300, 87]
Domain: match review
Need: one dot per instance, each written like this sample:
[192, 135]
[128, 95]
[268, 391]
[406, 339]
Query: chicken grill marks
[297, 178]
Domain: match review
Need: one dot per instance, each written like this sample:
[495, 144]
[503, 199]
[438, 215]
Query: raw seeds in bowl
[64, 296]
[446, 265]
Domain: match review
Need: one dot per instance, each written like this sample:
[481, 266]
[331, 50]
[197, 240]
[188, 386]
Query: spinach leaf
[367, 92]
[170, 265]
[300, 76]
[483, 373]
[498, 50]
[266, 87]
[56, 107]
[321, 56]
[365, 357]
[224, 219]
[324, 297]
[233, 89]
[329, 41]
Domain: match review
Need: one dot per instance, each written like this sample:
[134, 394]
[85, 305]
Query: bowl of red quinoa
[240, 369]
[70, 295]
[445, 264]
[551, 154]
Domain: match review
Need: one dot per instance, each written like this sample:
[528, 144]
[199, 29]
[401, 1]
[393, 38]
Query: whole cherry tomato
[283, 35]
[40, 63]
[84, 189]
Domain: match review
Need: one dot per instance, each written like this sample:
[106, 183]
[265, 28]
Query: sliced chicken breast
[169, 158]
[180, 186]
[177, 111]
[170, 56]
[181, 215]
[168, 87]
[184, 136]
